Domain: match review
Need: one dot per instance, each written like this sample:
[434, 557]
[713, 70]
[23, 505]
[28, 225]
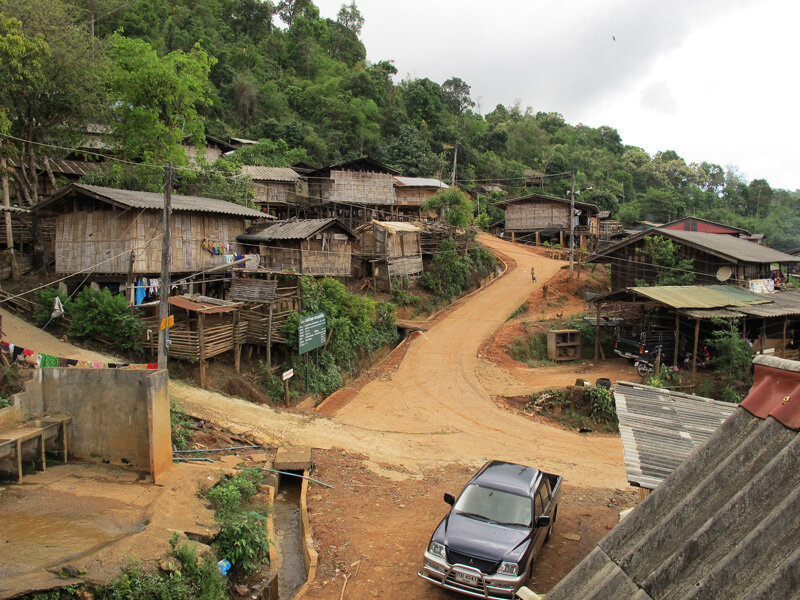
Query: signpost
[312, 335]
[286, 376]
[311, 332]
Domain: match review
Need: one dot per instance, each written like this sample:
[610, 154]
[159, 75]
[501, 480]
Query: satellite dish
[724, 273]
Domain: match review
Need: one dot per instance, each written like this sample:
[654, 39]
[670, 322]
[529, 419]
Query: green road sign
[312, 332]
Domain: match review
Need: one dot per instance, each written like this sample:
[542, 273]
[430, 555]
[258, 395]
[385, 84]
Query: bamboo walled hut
[115, 234]
[276, 189]
[316, 247]
[355, 191]
[412, 192]
[539, 218]
[390, 249]
[716, 258]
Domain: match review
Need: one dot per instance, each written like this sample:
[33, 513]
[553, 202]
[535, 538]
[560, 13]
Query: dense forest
[158, 71]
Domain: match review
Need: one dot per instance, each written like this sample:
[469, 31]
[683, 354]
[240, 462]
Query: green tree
[158, 99]
[452, 205]
[670, 267]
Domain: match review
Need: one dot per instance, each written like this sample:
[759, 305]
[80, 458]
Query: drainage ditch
[289, 536]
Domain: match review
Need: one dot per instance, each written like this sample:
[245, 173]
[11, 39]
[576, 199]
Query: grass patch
[521, 309]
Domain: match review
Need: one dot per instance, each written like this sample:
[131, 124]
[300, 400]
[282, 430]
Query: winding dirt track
[431, 411]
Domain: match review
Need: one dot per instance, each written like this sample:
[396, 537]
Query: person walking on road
[533, 274]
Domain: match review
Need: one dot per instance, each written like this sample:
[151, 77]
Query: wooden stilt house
[115, 235]
[316, 247]
[390, 250]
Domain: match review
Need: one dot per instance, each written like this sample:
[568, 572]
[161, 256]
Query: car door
[540, 502]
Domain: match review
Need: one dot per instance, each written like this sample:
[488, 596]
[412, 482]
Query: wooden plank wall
[86, 238]
[272, 191]
[362, 187]
[413, 196]
[410, 265]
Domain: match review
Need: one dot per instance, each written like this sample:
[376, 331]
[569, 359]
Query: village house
[390, 250]
[114, 235]
[538, 218]
[319, 247]
[706, 226]
[276, 189]
[716, 258]
[355, 191]
[412, 192]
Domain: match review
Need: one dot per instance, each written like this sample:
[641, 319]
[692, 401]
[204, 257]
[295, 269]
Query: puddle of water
[33, 540]
[289, 534]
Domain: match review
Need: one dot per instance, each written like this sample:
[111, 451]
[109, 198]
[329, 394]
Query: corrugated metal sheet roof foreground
[257, 173]
[660, 429]
[722, 526]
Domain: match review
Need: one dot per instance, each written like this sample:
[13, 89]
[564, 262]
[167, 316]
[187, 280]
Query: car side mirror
[450, 499]
[543, 521]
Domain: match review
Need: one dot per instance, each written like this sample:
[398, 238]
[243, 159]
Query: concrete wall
[119, 415]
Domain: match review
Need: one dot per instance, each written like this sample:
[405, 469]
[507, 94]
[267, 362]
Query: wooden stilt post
[538, 239]
[268, 349]
[513, 236]
[763, 334]
[783, 347]
[201, 334]
[677, 338]
[597, 333]
[696, 338]
[237, 345]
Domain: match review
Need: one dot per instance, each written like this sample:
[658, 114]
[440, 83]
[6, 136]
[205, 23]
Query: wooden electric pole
[163, 333]
[572, 225]
[455, 164]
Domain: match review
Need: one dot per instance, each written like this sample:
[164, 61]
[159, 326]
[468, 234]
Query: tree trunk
[9, 230]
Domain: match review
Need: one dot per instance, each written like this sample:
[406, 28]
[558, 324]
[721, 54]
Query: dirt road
[433, 409]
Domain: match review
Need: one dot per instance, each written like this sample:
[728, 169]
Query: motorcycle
[643, 367]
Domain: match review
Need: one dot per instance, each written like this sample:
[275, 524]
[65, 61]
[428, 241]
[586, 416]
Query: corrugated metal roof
[545, 198]
[292, 229]
[270, 173]
[661, 428]
[712, 313]
[154, 201]
[419, 182]
[700, 296]
[734, 247]
[784, 303]
[722, 525]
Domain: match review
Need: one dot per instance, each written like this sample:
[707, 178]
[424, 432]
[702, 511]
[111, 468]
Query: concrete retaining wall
[120, 416]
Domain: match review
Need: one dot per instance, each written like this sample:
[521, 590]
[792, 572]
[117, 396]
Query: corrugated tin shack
[391, 249]
[722, 525]
[115, 234]
[316, 247]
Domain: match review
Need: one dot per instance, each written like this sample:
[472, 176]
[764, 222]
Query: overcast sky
[714, 80]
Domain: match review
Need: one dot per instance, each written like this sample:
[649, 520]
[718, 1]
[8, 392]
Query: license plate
[467, 579]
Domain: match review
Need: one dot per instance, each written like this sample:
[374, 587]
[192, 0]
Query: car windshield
[494, 505]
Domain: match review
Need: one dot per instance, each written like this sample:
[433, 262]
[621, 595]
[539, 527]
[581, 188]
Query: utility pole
[455, 163]
[572, 225]
[163, 333]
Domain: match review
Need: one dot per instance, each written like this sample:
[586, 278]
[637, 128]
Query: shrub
[45, 298]
[243, 541]
[731, 355]
[234, 493]
[357, 326]
[527, 349]
[730, 394]
[451, 274]
[601, 402]
[180, 425]
[101, 314]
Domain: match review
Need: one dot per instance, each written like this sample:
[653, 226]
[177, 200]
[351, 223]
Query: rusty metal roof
[699, 296]
[153, 201]
[419, 182]
[63, 167]
[661, 428]
[291, 229]
[722, 525]
[257, 173]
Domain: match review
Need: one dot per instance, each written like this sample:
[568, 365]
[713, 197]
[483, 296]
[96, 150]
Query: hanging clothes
[140, 293]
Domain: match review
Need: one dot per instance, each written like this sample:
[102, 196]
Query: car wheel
[552, 524]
